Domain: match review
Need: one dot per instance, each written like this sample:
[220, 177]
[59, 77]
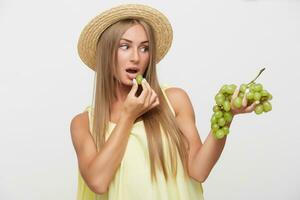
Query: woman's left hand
[244, 108]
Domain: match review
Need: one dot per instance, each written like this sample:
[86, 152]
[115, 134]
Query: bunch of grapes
[222, 116]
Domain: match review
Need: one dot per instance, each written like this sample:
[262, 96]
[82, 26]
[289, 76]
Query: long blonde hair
[106, 65]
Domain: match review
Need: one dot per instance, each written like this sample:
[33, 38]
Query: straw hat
[162, 28]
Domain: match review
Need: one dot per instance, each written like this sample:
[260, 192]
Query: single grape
[258, 87]
[221, 121]
[267, 106]
[218, 114]
[252, 88]
[229, 98]
[224, 89]
[237, 102]
[139, 79]
[263, 99]
[216, 108]
[270, 96]
[257, 96]
[220, 134]
[259, 109]
[230, 89]
[228, 116]
[243, 87]
[213, 119]
[226, 105]
[220, 98]
[264, 93]
[226, 130]
[250, 95]
[233, 86]
[215, 127]
[241, 94]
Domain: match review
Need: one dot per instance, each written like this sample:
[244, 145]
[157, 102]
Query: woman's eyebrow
[131, 41]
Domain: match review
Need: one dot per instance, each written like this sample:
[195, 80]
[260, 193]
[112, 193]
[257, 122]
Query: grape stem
[251, 82]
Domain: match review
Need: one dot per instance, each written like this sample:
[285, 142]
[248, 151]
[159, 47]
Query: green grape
[226, 105]
[243, 88]
[216, 108]
[258, 87]
[270, 96]
[230, 89]
[267, 106]
[213, 119]
[215, 127]
[228, 116]
[218, 114]
[221, 121]
[259, 109]
[263, 99]
[220, 98]
[250, 95]
[233, 86]
[139, 79]
[229, 98]
[264, 93]
[252, 88]
[226, 130]
[223, 89]
[257, 96]
[220, 134]
[237, 102]
[241, 94]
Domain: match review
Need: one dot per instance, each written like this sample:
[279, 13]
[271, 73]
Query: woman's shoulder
[176, 95]
[81, 120]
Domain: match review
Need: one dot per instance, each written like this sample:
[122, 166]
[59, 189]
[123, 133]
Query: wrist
[127, 117]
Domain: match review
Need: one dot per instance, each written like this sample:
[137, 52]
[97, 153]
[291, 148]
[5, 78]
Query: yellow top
[132, 180]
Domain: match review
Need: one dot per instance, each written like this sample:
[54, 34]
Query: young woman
[137, 142]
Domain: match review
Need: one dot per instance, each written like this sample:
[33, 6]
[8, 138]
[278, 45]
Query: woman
[137, 142]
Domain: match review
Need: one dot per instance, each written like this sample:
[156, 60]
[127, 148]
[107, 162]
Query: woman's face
[133, 54]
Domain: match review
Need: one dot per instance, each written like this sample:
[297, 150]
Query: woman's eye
[124, 45]
[146, 48]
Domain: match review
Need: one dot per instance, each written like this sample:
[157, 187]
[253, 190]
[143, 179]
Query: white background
[43, 84]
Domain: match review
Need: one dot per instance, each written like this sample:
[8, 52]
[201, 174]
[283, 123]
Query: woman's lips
[131, 75]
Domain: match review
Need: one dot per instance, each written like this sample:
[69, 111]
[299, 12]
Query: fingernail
[144, 80]
[256, 102]
[134, 81]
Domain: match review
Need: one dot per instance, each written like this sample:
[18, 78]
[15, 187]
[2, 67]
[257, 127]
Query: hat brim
[89, 36]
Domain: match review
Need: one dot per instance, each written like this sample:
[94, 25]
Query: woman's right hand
[133, 106]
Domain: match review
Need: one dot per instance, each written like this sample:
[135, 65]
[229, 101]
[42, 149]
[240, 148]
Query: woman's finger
[251, 108]
[235, 94]
[155, 103]
[144, 93]
[153, 97]
[244, 102]
[133, 89]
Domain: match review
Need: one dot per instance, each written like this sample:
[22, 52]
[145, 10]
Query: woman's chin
[127, 82]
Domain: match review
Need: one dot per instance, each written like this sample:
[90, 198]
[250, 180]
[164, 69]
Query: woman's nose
[135, 55]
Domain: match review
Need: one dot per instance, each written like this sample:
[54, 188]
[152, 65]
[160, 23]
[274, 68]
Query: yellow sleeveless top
[132, 180]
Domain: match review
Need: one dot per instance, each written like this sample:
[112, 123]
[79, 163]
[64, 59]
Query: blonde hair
[106, 65]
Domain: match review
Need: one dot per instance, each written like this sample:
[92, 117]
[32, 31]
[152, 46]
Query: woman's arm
[99, 168]
[199, 163]
[207, 156]
[202, 157]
